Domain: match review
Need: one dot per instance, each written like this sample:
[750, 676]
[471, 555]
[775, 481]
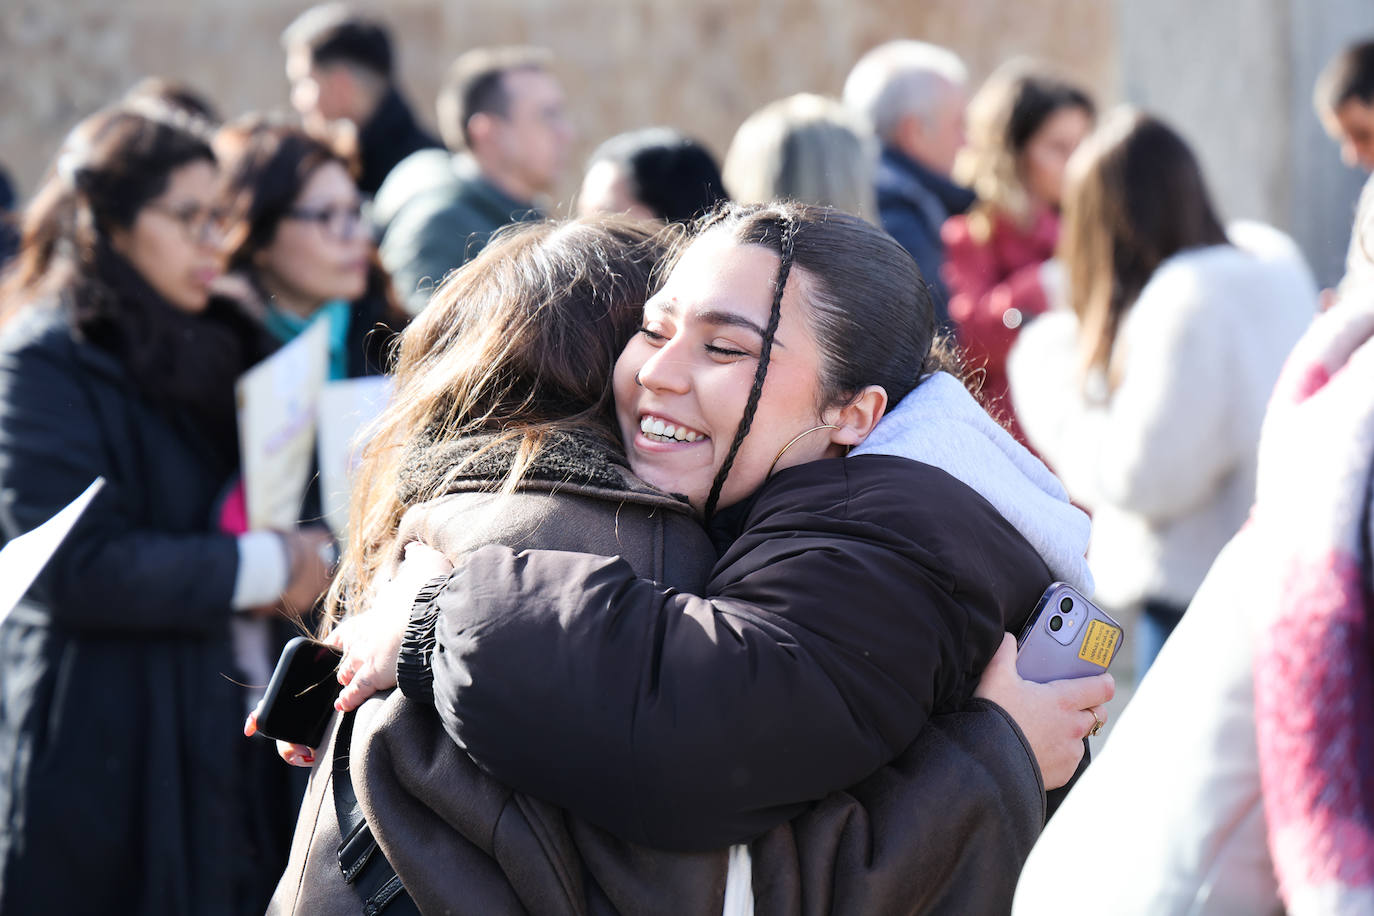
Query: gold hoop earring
[813, 429]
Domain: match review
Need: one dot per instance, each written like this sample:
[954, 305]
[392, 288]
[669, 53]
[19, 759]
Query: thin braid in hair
[785, 242]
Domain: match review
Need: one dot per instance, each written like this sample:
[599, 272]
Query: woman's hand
[1054, 717]
[298, 755]
[371, 641]
[311, 556]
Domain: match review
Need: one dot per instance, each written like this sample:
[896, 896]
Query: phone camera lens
[1066, 605]
[1056, 622]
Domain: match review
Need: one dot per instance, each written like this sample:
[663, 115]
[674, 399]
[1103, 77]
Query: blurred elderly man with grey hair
[914, 95]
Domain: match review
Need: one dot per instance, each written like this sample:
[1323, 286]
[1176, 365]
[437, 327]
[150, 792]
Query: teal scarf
[285, 327]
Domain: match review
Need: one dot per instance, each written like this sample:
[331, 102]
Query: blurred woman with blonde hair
[1024, 123]
[806, 148]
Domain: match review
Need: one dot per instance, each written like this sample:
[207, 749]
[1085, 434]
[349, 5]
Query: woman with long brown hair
[1023, 124]
[1147, 395]
[499, 431]
[122, 785]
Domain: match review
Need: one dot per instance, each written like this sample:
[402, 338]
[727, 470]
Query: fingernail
[338, 706]
[308, 758]
[250, 727]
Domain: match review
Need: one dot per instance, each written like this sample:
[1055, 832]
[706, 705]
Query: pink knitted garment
[1314, 663]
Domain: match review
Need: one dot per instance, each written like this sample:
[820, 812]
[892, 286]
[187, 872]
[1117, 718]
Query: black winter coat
[121, 751]
[859, 597]
[390, 135]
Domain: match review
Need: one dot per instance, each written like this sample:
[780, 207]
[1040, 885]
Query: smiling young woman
[855, 598]
[692, 366]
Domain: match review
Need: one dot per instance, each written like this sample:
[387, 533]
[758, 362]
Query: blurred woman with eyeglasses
[299, 250]
[122, 778]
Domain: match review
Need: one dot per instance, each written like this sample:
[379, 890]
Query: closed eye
[724, 351]
[652, 335]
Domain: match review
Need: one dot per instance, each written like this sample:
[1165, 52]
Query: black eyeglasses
[340, 221]
[199, 225]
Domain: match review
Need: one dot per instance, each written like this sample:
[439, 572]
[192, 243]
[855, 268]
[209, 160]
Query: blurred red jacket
[992, 269]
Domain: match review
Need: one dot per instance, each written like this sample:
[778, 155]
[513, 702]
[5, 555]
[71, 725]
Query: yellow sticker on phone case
[1099, 643]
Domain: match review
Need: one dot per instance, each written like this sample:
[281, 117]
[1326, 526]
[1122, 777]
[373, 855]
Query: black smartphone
[300, 697]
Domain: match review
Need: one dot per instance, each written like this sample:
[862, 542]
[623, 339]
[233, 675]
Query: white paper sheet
[23, 558]
[278, 403]
[347, 412]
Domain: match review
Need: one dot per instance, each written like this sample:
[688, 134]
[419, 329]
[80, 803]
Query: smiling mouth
[660, 430]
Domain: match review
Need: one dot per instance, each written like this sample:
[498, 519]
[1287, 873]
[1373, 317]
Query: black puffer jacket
[859, 597]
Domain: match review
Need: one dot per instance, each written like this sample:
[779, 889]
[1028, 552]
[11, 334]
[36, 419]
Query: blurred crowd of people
[1182, 376]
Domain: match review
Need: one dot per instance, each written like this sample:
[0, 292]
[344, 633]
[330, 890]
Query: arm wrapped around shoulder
[672, 720]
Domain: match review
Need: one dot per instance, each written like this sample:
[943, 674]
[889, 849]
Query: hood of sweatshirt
[940, 424]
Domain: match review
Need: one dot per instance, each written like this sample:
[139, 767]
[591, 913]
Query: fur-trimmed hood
[568, 462]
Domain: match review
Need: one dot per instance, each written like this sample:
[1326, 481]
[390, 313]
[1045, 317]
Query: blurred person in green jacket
[503, 116]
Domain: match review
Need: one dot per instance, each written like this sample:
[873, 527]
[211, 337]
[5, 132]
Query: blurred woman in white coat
[1146, 396]
[1167, 451]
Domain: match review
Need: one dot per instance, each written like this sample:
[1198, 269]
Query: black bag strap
[360, 859]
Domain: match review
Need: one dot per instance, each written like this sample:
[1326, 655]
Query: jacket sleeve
[943, 828]
[982, 300]
[109, 574]
[691, 723]
[1162, 441]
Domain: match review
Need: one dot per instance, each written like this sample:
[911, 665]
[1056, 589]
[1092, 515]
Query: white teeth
[653, 426]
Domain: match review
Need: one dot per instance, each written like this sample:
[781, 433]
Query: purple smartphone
[1067, 636]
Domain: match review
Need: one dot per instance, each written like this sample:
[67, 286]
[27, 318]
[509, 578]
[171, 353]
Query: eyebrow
[716, 316]
[330, 206]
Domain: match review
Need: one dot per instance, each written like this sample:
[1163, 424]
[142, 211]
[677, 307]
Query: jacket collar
[50, 325]
[569, 463]
[481, 194]
[727, 525]
[901, 175]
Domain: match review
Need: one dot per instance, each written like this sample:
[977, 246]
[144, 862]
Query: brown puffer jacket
[943, 828]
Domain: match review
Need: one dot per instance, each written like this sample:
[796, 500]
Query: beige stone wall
[701, 65]
[1235, 78]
